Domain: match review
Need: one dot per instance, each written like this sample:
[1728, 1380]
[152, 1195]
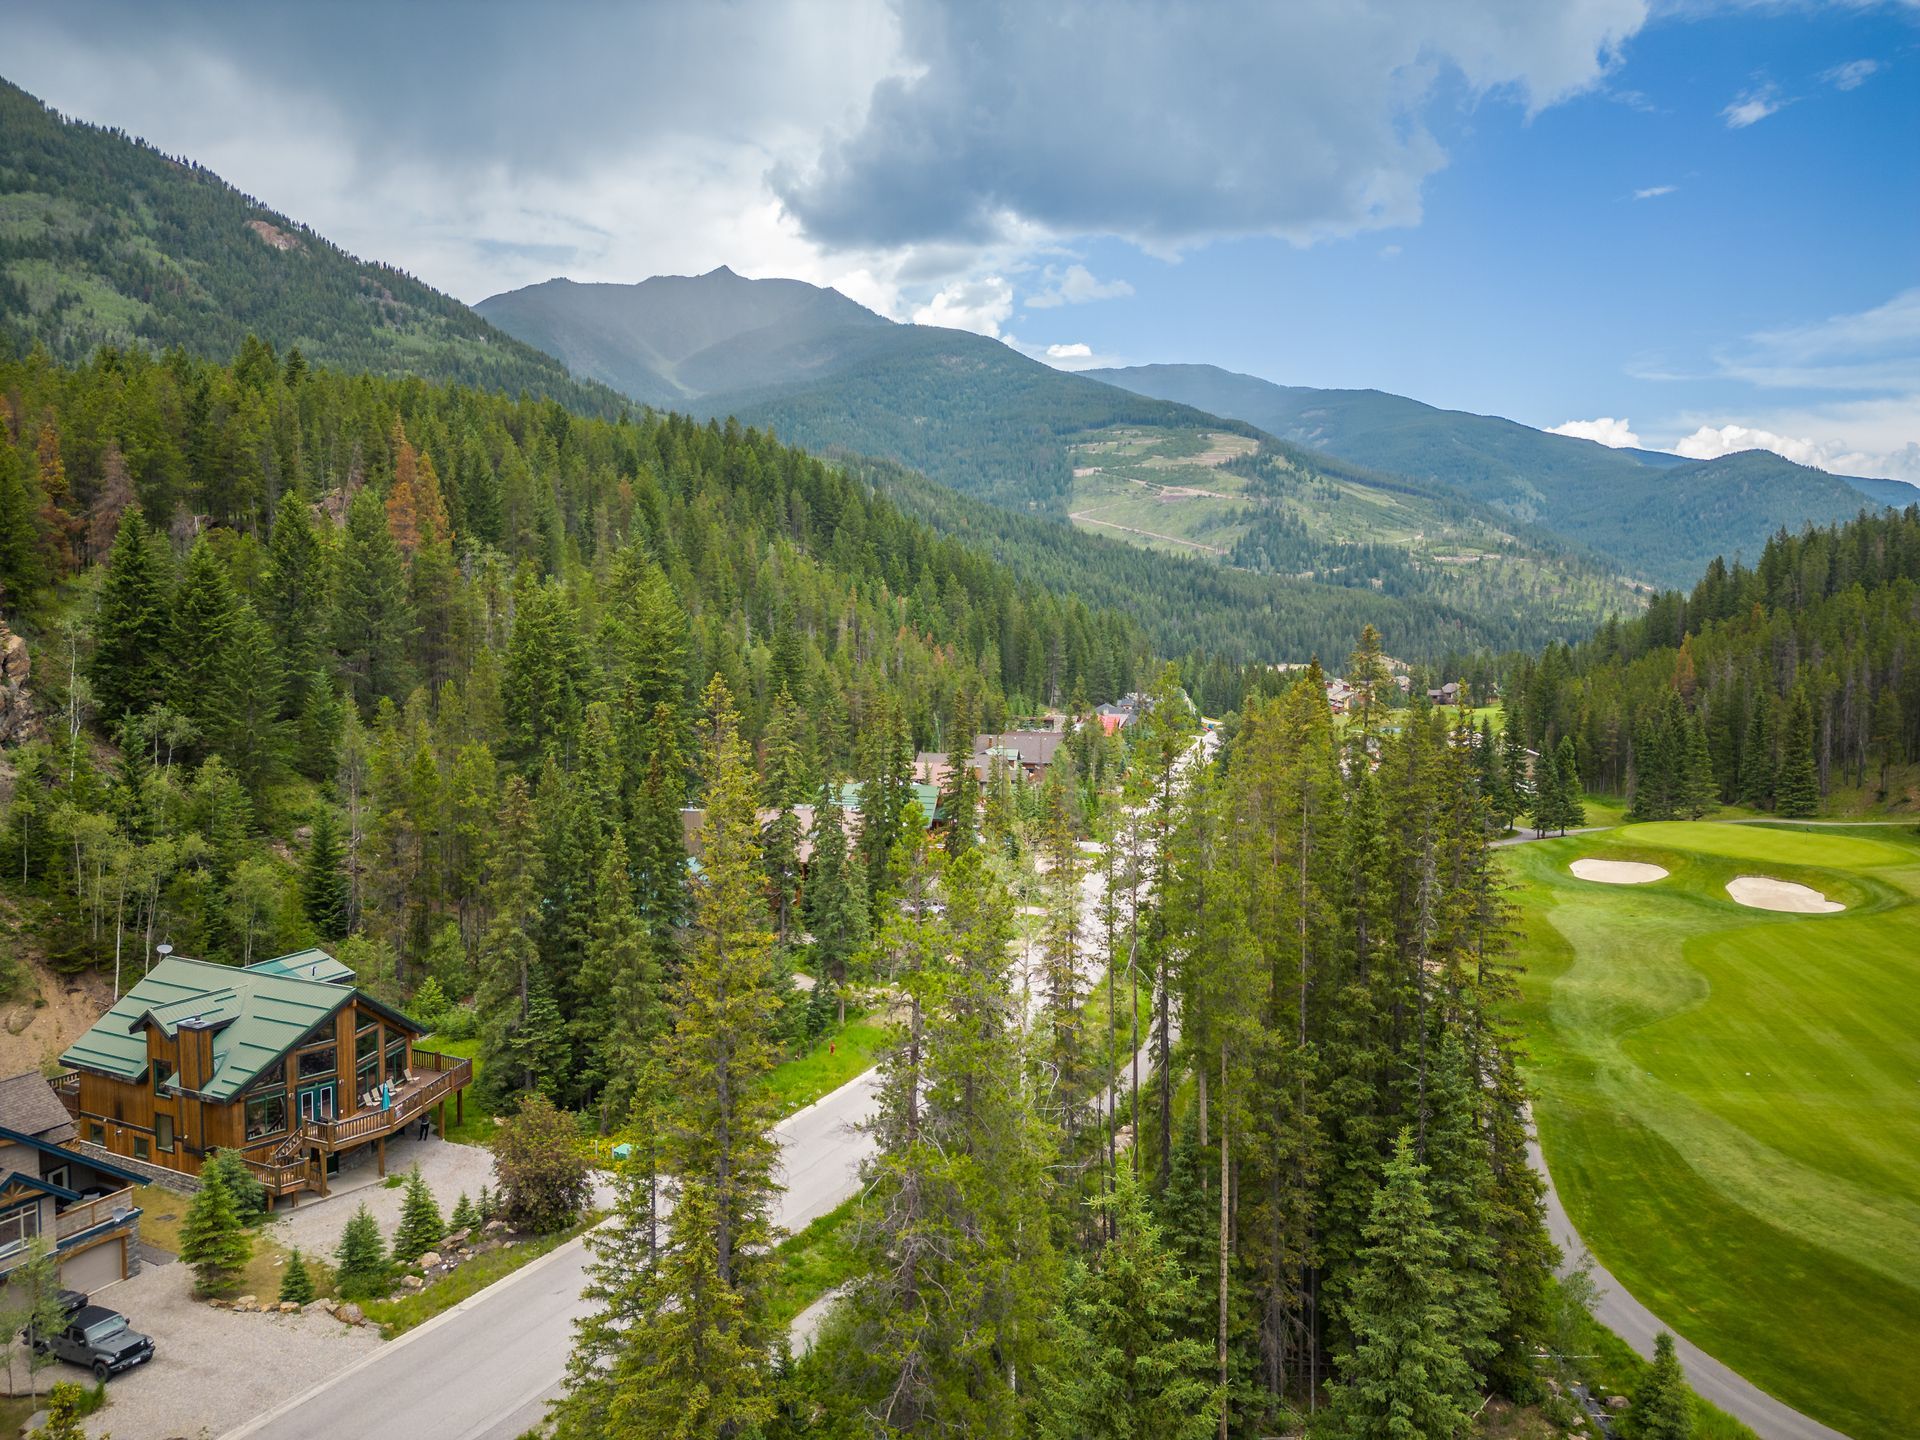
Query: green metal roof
[306, 965]
[927, 797]
[256, 1017]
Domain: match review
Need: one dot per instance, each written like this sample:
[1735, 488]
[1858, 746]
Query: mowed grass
[1730, 1098]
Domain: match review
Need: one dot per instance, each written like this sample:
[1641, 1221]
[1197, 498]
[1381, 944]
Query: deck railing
[444, 1075]
[67, 1086]
[88, 1213]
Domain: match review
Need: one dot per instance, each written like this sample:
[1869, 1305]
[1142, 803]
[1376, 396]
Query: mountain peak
[720, 272]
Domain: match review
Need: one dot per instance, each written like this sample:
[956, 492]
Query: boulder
[352, 1314]
[246, 1302]
[1618, 1402]
[495, 1227]
[313, 1305]
[456, 1239]
[412, 1282]
[431, 1260]
[289, 1307]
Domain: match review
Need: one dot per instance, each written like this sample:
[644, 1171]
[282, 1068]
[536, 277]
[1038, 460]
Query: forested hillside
[1659, 516]
[106, 241]
[1774, 686]
[411, 595]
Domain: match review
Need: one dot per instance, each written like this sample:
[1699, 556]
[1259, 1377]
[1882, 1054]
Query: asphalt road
[1769, 1418]
[486, 1369]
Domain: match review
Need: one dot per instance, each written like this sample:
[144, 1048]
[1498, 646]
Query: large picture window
[266, 1115]
[396, 1058]
[18, 1227]
[318, 1063]
[367, 1075]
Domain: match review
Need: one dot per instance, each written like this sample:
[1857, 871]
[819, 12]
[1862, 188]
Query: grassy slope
[1727, 1098]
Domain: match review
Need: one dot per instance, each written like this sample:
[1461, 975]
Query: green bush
[249, 1195]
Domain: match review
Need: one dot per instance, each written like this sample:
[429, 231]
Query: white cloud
[1710, 441]
[981, 306]
[1079, 350]
[1608, 431]
[1075, 285]
[1654, 192]
[1753, 106]
[1389, 252]
[1852, 75]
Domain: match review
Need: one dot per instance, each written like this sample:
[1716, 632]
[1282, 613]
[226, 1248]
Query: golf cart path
[1634, 1323]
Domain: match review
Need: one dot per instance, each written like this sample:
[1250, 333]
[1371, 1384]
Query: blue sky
[1698, 223]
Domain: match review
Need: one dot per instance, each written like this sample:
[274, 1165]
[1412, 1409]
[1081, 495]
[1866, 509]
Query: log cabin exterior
[285, 1061]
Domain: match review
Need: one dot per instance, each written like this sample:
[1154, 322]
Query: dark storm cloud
[1167, 123]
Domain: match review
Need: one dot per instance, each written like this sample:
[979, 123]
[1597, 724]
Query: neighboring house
[1031, 750]
[931, 767]
[285, 1061]
[1447, 694]
[81, 1204]
[1340, 696]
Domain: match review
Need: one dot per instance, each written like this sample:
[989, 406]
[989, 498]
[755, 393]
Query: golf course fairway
[1729, 1098]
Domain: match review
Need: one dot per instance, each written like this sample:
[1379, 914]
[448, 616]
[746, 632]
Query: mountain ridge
[1658, 513]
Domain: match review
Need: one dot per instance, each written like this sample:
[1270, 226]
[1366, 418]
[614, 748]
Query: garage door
[97, 1267]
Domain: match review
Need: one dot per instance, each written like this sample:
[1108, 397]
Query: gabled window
[162, 1073]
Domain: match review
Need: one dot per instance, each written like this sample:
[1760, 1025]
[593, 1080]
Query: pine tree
[296, 1285]
[293, 601]
[1126, 1367]
[836, 897]
[1572, 804]
[783, 768]
[696, 1359]
[963, 821]
[421, 1227]
[464, 1217]
[1549, 794]
[509, 959]
[214, 1239]
[1404, 1374]
[373, 619]
[323, 877]
[621, 982]
[360, 1268]
[1699, 792]
[1797, 788]
[1662, 1406]
[1756, 754]
[131, 629]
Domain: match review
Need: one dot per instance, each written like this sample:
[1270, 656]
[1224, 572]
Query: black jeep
[94, 1337]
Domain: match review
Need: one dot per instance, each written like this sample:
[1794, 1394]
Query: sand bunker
[1617, 872]
[1764, 894]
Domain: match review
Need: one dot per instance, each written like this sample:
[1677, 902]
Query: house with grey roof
[81, 1206]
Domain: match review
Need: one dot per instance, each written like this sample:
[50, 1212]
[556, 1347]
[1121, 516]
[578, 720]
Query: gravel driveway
[314, 1225]
[211, 1369]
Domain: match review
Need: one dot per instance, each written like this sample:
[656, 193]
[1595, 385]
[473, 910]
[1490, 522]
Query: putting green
[1729, 1098]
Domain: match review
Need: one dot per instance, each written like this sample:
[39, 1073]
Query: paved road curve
[486, 1369]
[1769, 1418]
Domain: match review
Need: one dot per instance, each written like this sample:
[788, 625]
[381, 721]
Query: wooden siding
[127, 1109]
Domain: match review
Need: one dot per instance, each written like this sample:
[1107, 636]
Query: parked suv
[95, 1337]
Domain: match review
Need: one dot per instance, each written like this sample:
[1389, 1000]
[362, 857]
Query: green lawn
[811, 1262]
[841, 1054]
[1730, 1099]
[476, 1126]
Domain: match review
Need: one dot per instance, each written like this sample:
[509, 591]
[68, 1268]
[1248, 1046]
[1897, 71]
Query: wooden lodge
[285, 1061]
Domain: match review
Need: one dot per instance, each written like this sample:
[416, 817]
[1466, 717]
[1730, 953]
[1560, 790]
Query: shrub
[486, 1207]
[360, 1264]
[421, 1227]
[464, 1216]
[213, 1239]
[296, 1286]
[542, 1168]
